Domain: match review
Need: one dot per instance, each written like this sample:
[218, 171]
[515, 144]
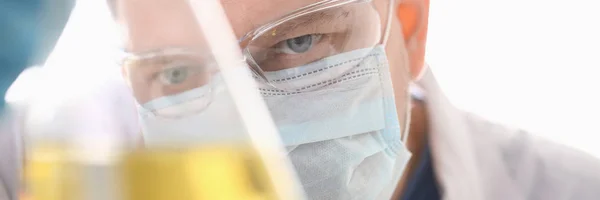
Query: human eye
[152, 77]
[292, 51]
[299, 41]
[177, 74]
[298, 45]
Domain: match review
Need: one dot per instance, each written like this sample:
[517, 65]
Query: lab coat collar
[451, 147]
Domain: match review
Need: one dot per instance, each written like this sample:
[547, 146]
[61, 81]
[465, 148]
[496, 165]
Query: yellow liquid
[216, 173]
[51, 175]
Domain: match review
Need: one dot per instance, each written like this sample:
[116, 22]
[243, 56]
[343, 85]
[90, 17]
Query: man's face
[334, 35]
[157, 24]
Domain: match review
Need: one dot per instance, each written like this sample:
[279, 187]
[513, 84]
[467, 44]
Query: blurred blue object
[29, 30]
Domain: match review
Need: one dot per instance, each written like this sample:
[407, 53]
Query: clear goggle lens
[172, 82]
[309, 35]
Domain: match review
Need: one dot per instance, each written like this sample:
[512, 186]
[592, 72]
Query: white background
[528, 63]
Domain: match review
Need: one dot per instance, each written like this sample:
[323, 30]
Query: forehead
[246, 15]
[152, 24]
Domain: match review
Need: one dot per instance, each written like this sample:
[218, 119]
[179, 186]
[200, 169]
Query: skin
[164, 23]
[414, 33]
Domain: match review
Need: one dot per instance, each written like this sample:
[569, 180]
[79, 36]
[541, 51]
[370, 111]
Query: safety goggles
[304, 36]
[314, 32]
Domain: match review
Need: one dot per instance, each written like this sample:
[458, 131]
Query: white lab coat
[473, 159]
[10, 154]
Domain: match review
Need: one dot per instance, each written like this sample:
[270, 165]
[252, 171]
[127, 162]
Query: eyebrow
[326, 17]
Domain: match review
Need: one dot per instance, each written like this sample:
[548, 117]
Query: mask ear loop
[388, 22]
[411, 45]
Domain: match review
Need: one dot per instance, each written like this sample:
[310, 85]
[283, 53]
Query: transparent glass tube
[73, 153]
[205, 125]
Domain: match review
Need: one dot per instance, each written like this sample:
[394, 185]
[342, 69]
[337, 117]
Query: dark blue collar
[422, 185]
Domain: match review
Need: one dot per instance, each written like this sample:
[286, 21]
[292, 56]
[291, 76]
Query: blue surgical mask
[337, 117]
